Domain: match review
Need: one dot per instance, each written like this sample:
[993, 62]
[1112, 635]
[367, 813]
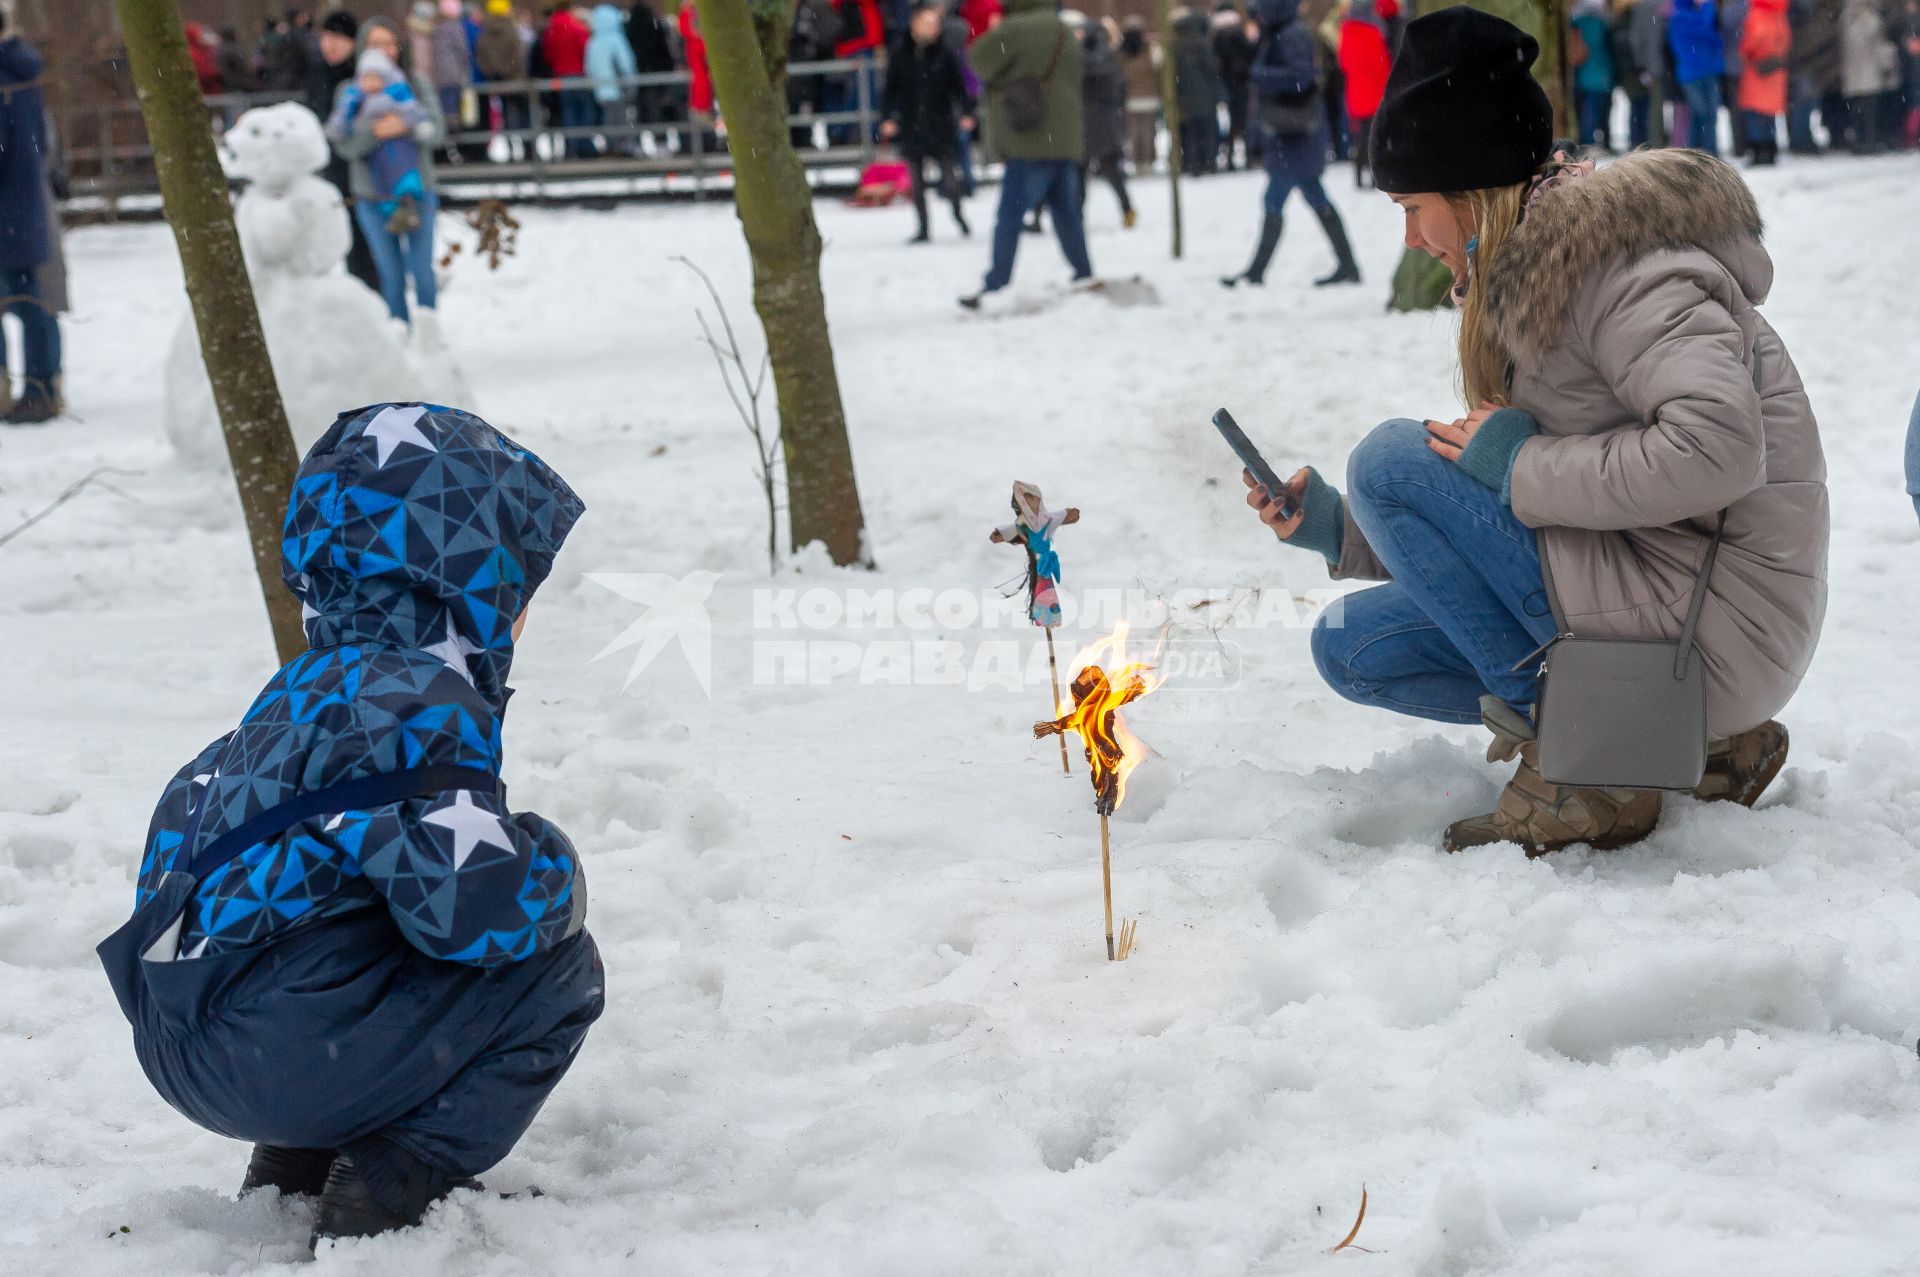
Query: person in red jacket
[700, 98]
[564, 44]
[700, 92]
[1365, 59]
[860, 28]
[1764, 44]
[979, 15]
[860, 32]
[206, 64]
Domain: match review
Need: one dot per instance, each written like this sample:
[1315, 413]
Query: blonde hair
[1491, 213]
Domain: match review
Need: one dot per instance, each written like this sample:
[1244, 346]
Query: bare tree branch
[732, 362]
[91, 479]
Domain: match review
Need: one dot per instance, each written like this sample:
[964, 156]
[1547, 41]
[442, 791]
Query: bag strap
[1059, 43]
[359, 794]
[1684, 650]
[1699, 599]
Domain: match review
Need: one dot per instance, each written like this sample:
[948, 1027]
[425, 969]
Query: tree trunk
[747, 53]
[1554, 26]
[1170, 99]
[194, 191]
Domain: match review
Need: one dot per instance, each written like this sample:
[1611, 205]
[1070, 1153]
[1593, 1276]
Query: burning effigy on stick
[1033, 527]
[1099, 692]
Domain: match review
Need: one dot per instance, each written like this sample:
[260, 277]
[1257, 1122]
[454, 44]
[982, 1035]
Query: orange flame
[1104, 680]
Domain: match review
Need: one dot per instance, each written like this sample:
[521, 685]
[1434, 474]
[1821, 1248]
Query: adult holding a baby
[386, 124]
[1632, 411]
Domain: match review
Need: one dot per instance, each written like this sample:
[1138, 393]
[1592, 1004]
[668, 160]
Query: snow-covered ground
[860, 1019]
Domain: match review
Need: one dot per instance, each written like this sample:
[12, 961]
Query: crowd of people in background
[1644, 72]
[1772, 65]
[1284, 85]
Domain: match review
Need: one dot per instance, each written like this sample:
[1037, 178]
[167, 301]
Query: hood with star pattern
[422, 526]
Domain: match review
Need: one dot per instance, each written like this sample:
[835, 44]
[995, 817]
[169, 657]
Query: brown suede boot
[1543, 817]
[1740, 769]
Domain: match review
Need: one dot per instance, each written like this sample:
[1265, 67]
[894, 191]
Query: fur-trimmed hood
[1643, 202]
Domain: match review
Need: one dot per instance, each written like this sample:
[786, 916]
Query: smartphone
[1263, 474]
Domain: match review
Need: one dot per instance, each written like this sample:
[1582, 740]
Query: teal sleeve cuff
[1489, 454]
[1323, 522]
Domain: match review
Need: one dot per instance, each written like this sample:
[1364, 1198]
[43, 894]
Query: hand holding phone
[1281, 511]
[1265, 475]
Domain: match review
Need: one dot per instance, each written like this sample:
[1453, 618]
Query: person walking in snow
[1197, 91]
[1233, 54]
[563, 43]
[1639, 64]
[1593, 76]
[1292, 127]
[924, 106]
[399, 255]
[610, 60]
[1365, 58]
[1870, 68]
[500, 57]
[1103, 103]
[29, 227]
[339, 43]
[1031, 66]
[1699, 60]
[379, 93]
[651, 39]
[346, 949]
[1765, 44]
[1140, 63]
[1625, 394]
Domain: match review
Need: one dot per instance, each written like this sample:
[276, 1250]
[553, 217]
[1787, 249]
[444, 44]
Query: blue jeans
[1639, 120]
[39, 331]
[578, 110]
[963, 154]
[1703, 114]
[1278, 159]
[1467, 601]
[1024, 186]
[1800, 122]
[395, 260]
[1595, 108]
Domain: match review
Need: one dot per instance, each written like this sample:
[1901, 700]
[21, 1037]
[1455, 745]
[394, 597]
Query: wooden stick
[1106, 882]
[1053, 667]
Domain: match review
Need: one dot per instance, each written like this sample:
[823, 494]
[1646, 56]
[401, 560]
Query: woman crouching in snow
[1628, 393]
[346, 949]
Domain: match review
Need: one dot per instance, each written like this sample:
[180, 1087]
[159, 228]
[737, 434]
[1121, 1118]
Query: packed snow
[860, 1019]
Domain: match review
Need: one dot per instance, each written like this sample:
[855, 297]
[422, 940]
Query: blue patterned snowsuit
[405, 983]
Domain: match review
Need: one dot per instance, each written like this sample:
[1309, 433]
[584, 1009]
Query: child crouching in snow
[346, 948]
[380, 91]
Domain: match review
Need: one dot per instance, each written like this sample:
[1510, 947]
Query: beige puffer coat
[1627, 300]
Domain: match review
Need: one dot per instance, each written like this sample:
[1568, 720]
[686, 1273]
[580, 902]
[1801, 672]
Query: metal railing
[534, 149]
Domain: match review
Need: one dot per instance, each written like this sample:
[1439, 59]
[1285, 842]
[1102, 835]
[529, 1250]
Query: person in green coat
[1030, 65]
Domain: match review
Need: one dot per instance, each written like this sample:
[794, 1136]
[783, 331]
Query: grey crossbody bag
[1626, 713]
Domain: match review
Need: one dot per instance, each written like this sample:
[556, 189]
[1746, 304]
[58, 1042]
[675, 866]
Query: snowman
[333, 344]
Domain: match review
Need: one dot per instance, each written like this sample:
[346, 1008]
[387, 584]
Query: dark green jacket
[1022, 45]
